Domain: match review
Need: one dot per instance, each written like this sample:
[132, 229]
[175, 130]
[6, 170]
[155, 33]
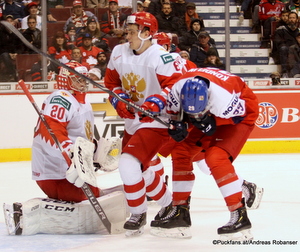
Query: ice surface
[276, 219]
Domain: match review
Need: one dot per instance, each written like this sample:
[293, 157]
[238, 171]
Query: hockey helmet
[194, 95]
[144, 19]
[69, 81]
[162, 39]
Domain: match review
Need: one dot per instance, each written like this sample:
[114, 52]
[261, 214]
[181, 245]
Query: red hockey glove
[123, 110]
[153, 104]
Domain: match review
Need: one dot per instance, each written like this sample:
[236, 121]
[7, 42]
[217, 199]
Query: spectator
[186, 56]
[213, 60]
[101, 63]
[269, 11]
[59, 50]
[88, 50]
[139, 6]
[294, 58]
[168, 23]
[285, 36]
[76, 55]
[113, 20]
[33, 10]
[71, 36]
[255, 17]
[199, 50]
[79, 17]
[36, 71]
[192, 36]
[10, 46]
[10, 7]
[50, 18]
[100, 39]
[95, 74]
[244, 7]
[97, 3]
[155, 6]
[32, 34]
[190, 15]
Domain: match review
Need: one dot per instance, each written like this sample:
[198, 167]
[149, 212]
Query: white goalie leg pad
[108, 153]
[59, 217]
[179, 232]
[243, 235]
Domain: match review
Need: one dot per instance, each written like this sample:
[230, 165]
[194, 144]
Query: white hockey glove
[82, 169]
[108, 153]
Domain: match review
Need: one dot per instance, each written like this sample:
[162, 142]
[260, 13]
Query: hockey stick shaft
[104, 89]
[85, 188]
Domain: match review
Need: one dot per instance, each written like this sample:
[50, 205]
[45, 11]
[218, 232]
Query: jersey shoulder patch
[167, 58]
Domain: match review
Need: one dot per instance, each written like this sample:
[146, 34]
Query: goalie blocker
[49, 216]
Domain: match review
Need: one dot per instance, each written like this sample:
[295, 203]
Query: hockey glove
[207, 124]
[178, 130]
[123, 110]
[153, 104]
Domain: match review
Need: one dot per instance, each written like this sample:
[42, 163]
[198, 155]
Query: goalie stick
[85, 188]
[29, 45]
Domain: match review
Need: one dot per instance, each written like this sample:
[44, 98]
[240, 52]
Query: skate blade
[258, 196]
[243, 235]
[134, 233]
[178, 232]
[9, 219]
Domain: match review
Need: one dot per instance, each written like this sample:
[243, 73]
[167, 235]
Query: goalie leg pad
[51, 216]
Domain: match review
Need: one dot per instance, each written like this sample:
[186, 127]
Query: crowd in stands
[89, 38]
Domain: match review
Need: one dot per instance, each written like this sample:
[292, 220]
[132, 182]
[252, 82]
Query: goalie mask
[69, 81]
[194, 95]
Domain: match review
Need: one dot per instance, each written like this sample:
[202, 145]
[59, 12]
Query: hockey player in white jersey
[142, 73]
[70, 116]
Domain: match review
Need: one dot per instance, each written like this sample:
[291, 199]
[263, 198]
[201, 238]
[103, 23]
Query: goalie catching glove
[108, 153]
[153, 104]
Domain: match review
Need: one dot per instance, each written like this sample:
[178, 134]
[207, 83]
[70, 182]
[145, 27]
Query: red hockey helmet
[162, 39]
[69, 81]
[144, 19]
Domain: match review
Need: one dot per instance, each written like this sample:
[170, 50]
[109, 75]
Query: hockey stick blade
[104, 89]
[85, 188]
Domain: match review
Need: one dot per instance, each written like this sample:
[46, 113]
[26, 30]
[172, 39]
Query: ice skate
[172, 221]
[253, 194]
[135, 225]
[13, 215]
[238, 227]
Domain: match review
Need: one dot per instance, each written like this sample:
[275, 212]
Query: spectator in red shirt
[59, 50]
[269, 11]
[88, 50]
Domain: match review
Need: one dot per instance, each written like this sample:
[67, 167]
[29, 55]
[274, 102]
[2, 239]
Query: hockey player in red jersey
[142, 73]
[222, 111]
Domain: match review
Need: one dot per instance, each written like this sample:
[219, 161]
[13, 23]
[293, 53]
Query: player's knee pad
[51, 216]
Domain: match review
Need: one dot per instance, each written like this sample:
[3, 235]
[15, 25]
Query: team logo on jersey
[134, 85]
[268, 115]
[167, 58]
[61, 101]
[88, 130]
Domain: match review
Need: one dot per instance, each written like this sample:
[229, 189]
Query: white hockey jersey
[68, 120]
[152, 72]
